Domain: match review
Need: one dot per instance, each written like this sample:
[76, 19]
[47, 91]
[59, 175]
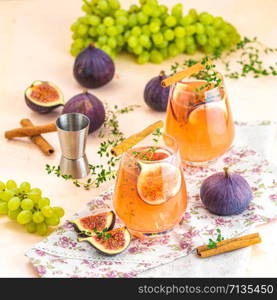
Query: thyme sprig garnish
[100, 173]
[212, 243]
[249, 54]
[152, 149]
[102, 234]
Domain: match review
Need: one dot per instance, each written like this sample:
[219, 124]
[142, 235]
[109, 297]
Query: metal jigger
[73, 130]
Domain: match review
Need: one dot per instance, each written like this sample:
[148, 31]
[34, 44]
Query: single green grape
[86, 9]
[43, 202]
[75, 51]
[162, 45]
[24, 217]
[47, 211]
[74, 26]
[142, 18]
[207, 49]
[119, 28]
[170, 21]
[190, 29]
[94, 20]
[191, 49]
[92, 32]
[108, 21]
[101, 29]
[136, 31]
[27, 204]
[138, 50]
[193, 13]
[186, 20]
[133, 8]
[144, 40]
[120, 12]
[132, 20]
[154, 27]
[31, 227]
[111, 31]
[214, 41]
[114, 4]
[3, 208]
[157, 38]
[2, 186]
[180, 32]
[14, 203]
[218, 22]
[120, 40]
[143, 57]
[59, 211]
[200, 29]
[112, 42]
[38, 217]
[132, 41]
[42, 229]
[156, 57]
[210, 31]
[102, 40]
[206, 18]
[25, 187]
[54, 220]
[169, 35]
[147, 10]
[122, 20]
[177, 10]
[201, 39]
[6, 195]
[146, 30]
[14, 213]
[164, 52]
[190, 40]
[180, 44]
[103, 6]
[173, 50]
[82, 29]
[11, 184]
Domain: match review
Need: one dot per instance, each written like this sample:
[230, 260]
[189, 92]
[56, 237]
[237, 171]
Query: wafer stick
[135, 138]
[38, 140]
[183, 74]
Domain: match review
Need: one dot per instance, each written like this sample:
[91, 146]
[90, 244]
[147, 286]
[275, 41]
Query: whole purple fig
[89, 105]
[225, 194]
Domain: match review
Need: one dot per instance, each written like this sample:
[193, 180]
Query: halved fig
[110, 242]
[43, 96]
[88, 225]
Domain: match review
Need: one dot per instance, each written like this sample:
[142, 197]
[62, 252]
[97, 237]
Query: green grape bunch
[149, 30]
[27, 206]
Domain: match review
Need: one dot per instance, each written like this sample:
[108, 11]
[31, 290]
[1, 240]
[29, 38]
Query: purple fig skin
[40, 109]
[225, 194]
[93, 68]
[155, 96]
[89, 105]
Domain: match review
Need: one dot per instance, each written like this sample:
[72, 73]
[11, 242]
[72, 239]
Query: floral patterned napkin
[60, 255]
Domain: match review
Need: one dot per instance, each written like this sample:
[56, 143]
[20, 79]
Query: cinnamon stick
[135, 138]
[229, 245]
[182, 74]
[30, 131]
[38, 140]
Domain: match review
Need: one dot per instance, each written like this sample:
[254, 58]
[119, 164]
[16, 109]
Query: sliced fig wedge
[43, 96]
[110, 242]
[88, 225]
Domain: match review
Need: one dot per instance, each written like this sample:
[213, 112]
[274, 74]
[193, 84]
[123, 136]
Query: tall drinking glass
[150, 194]
[200, 119]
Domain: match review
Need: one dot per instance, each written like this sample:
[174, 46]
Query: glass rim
[173, 151]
